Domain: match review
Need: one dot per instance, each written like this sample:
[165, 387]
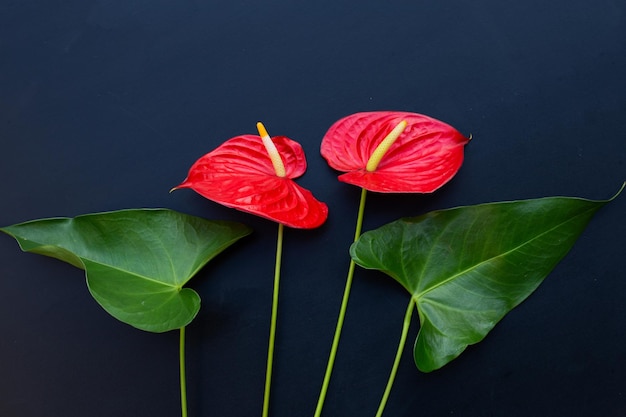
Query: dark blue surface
[104, 105]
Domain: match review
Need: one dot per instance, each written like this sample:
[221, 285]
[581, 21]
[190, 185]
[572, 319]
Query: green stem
[183, 382]
[270, 350]
[342, 311]
[396, 362]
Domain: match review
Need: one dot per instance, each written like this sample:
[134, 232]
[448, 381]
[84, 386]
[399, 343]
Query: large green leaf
[467, 267]
[136, 261]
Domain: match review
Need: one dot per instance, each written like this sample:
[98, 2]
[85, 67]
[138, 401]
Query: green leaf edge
[74, 260]
[414, 297]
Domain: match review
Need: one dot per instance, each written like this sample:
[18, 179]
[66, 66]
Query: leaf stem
[272, 338]
[342, 311]
[396, 362]
[183, 382]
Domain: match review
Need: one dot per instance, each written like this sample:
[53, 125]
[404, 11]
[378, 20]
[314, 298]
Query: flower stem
[342, 311]
[270, 350]
[396, 362]
[183, 382]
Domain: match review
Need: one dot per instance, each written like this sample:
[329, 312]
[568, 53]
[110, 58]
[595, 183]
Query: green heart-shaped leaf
[467, 267]
[136, 261]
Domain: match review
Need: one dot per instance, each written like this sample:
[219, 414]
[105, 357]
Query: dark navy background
[105, 105]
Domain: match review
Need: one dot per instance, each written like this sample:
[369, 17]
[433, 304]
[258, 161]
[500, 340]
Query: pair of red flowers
[389, 152]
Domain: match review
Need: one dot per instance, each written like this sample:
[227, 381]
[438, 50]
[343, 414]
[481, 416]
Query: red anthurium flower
[254, 174]
[394, 152]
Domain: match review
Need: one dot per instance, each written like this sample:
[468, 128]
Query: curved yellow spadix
[277, 162]
[384, 146]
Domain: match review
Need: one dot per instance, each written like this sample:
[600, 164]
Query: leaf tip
[610, 199]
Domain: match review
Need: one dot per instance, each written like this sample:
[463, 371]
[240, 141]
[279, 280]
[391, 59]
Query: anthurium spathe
[254, 173]
[394, 152]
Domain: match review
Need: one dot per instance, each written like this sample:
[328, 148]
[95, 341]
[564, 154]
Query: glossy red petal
[246, 153]
[240, 174]
[424, 157]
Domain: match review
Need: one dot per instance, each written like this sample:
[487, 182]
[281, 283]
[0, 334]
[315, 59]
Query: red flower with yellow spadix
[394, 152]
[387, 152]
[255, 174]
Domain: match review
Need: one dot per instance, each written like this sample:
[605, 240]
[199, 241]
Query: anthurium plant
[255, 174]
[463, 268]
